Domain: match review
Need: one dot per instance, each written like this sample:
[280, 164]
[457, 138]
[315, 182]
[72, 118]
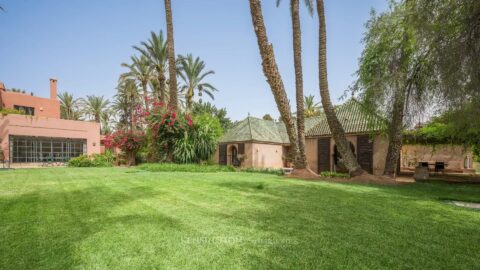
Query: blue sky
[82, 44]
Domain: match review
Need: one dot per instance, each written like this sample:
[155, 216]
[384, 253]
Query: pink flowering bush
[175, 136]
[128, 141]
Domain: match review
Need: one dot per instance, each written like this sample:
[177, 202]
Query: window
[25, 109]
[41, 149]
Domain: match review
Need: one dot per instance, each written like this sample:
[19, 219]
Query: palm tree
[192, 73]
[172, 68]
[94, 107]
[106, 121]
[68, 106]
[155, 49]
[297, 59]
[311, 108]
[125, 102]
[336, 128]
[142, 71]
[270, 69]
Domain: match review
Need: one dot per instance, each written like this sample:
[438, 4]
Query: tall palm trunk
[172, 69]
[297, 58]
[161, 86]
[336, 128]
[189, 97]
[270, 69]
[145, 95]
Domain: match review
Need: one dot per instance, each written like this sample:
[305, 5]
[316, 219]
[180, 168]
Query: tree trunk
[270, 69]
[145, 95]
[395, 127]
[336, 128]
[395, 133]
[130, 158]
[189, 98]
[161, 85]
[172, 69]
[297, 58]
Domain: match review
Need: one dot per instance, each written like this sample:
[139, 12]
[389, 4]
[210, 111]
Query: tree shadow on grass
[329, 226]
[43, 230]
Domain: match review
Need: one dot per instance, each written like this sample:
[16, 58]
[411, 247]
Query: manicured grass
[117, 218]
[172, 167]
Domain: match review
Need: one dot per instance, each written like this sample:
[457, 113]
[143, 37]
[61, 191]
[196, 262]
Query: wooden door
[222, 154]
[323, 154]
[365, 152]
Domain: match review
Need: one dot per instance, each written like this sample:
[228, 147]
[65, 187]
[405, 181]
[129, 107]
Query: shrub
[128, 141]
[80, 161]
[95, 160]
[177, 137]
[7, 111]
[334, 175]
[172, 167]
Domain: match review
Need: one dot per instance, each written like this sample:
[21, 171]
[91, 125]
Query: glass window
[27, 110]
[38, 149]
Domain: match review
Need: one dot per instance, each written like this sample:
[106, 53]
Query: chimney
[2, 86]
[53, 89]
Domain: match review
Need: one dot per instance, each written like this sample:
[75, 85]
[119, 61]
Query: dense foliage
[176, 136]
[460, 126]
[96, 160]
[208, 108]
[129, 142]
[7, 111]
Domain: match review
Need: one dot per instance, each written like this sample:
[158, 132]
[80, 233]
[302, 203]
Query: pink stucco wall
[44, 107]
[25, 125]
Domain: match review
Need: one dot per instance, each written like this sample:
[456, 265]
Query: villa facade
[41, 135]
[260, 143]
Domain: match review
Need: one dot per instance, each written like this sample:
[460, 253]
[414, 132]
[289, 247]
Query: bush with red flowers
[128, 141]
[165, 127]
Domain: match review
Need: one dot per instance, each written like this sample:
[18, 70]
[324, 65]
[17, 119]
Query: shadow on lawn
[323, 226]
[43, 229]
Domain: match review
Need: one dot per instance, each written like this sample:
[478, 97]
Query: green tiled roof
[352, 116]
[255, 129]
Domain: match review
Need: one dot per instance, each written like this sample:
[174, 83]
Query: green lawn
[119, 218]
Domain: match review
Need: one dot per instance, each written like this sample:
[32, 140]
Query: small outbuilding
[259, 143]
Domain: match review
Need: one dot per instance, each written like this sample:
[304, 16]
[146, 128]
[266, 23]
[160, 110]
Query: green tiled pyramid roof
[255, 129]
[351, 114]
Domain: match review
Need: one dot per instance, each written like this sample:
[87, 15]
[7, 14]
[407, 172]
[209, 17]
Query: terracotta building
[40, 135]
[260, 143]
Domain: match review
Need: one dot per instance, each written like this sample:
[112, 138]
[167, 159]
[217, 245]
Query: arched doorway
[337, 159]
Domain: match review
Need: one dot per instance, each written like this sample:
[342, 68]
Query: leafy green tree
[193, 74]
[450, 30]
[200, 108]
[395, 76]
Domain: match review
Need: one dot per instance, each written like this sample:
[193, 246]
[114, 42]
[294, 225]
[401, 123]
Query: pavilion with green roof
[259, 143]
